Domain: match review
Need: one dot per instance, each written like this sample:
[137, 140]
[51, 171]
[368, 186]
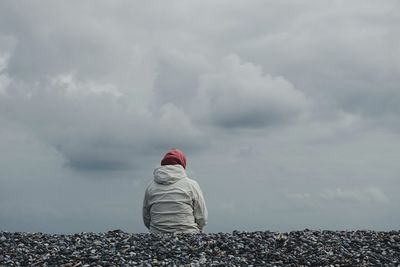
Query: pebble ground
[117, 248]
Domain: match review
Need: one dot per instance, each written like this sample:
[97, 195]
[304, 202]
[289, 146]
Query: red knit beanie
[173, 157]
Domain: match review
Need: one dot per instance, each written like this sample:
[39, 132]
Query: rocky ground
[117, 248]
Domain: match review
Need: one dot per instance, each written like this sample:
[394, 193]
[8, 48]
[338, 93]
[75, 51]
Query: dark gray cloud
[98, 155]
[278, 106]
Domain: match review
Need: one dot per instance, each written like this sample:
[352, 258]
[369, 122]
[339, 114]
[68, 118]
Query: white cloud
[68, 83]
[94, 125]
[317, 51]
[364, 195]
[4, 79]
[240, 95]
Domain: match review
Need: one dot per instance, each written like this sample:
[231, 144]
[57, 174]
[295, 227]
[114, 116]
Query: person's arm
[199, 207]
[146, 211]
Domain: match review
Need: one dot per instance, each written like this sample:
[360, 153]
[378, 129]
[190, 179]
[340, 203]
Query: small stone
[117, 248]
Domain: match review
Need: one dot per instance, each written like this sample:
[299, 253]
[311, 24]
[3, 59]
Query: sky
[288, 111]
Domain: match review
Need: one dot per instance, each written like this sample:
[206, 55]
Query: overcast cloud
[288, 111]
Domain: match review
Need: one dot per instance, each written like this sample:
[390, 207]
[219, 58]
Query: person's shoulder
[150, 185]
[192, 182]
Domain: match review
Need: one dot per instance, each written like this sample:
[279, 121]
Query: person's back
[173, 202]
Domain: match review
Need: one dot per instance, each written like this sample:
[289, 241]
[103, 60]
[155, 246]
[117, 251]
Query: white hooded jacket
[173, 202]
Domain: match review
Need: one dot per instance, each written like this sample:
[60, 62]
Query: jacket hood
[169, 174]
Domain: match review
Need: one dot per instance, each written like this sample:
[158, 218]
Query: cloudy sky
[288, 111]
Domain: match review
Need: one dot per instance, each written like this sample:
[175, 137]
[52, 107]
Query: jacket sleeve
[199, 207]
[146, 211]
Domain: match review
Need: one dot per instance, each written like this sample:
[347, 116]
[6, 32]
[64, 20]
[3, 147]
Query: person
[174, 203]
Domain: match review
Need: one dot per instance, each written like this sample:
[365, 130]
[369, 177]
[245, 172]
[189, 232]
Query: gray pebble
[117, 248]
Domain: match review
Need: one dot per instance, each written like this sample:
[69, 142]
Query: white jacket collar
[169, 174]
